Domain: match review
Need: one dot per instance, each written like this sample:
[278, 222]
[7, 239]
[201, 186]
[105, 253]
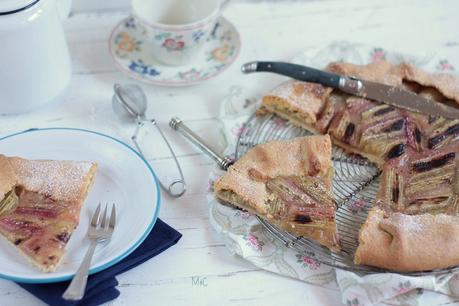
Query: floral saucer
[130, 50]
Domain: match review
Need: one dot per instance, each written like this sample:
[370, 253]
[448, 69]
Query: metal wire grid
[355, 185]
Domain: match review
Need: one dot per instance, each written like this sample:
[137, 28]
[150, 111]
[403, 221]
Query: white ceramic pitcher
[35, 64]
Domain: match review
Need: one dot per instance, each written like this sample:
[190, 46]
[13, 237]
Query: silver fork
[99, 230]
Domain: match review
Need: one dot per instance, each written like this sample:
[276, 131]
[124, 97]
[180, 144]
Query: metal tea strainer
[130, 103]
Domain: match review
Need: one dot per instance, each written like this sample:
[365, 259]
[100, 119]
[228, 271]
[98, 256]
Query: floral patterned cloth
[246, 237]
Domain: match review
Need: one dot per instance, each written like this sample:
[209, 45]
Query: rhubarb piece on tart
[288, 183]
[408, 243]
[420, 182]
[40, 202]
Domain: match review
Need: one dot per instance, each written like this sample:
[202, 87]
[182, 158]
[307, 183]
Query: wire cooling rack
[355, 185]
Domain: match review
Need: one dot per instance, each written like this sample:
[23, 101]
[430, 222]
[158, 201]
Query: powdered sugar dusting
[410, 223]
[284, 90]
[379, 71]
[307, 97]
[61, 180]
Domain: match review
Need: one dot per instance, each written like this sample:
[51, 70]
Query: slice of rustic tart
[40, 203]
[288, 183]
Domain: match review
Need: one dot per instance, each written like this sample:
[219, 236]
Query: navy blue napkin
[101, 286]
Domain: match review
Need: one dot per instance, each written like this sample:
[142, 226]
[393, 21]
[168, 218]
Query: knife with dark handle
[295, 71]
[395, 96]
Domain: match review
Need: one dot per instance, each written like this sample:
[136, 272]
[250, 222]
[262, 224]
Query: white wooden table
[199, 270]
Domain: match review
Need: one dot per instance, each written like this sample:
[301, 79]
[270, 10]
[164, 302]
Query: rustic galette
[416, 153]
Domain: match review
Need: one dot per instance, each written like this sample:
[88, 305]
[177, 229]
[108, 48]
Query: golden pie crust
[408, 243]
[45, 199]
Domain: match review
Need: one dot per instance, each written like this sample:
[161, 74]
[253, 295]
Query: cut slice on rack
[288, 183]
[40, 202]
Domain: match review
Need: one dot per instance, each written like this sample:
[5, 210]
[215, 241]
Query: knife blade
[392, 95]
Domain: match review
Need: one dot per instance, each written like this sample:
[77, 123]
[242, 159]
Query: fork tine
[95, 217]
[102, 224]
[112, 217]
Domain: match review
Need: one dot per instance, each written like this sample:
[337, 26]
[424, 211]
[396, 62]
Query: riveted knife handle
[299, 72]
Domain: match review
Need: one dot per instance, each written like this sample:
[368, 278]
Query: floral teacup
[176, 29]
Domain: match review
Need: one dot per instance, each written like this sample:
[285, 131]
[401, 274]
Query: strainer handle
[222, 161]
[177, 187]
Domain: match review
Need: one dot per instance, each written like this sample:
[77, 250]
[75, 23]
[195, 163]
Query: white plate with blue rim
[129, 47]
[123, 177]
